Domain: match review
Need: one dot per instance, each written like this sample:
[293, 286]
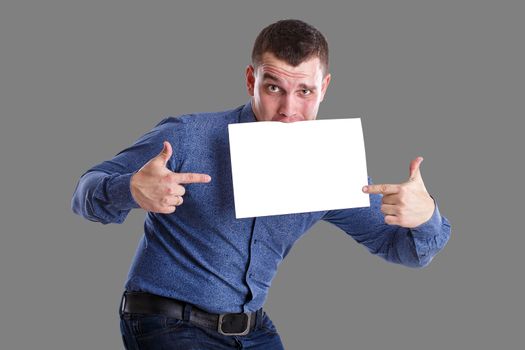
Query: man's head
[289, 75]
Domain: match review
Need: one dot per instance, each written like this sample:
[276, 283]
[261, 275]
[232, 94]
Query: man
[200, 277]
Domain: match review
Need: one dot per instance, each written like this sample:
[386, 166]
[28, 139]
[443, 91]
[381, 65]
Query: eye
[306, 92]
[273, 88]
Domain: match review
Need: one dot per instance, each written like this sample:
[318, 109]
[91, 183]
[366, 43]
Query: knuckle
[383, 188]
[403, 201]
[169, 178]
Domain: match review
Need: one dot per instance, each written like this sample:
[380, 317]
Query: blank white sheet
[284, 168]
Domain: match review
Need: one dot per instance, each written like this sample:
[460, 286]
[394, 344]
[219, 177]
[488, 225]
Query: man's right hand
[157, 189]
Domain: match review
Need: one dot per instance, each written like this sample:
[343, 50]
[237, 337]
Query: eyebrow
[268, 76]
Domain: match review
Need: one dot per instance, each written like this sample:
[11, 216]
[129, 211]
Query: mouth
[284, 119]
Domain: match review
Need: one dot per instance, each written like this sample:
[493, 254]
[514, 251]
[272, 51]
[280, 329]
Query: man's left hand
[407, 204]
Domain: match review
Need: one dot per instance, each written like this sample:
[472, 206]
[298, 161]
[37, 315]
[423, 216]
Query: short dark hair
[293, 41]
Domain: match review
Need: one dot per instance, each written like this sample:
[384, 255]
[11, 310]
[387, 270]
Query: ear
[326, 82]
[250, 79]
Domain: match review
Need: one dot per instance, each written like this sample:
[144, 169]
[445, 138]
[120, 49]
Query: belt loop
[186, 312]
[258, 320]
[121, 306]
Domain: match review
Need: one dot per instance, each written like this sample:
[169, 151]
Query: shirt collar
[247, 115]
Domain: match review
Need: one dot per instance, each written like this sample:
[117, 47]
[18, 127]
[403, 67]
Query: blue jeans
[141, 331]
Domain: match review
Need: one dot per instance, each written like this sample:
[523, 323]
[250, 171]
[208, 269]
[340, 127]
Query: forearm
[103, 197]
[430, 237]
[410, 247]
[414, 247]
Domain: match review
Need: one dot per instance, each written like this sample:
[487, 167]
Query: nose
[287, 107]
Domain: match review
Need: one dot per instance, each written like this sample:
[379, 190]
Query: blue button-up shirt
[201, 253]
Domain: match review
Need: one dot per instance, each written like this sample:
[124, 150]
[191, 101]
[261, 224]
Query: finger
[166, 152]
[414, 169]
[390, 199]
[175, 189]
[166, 209]
[179, 190]
[173, 201]
[381, 189]
[189, 178]
[389, 209]
[392, 220]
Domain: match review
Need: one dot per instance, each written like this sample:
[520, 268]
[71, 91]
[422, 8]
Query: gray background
[80, 80]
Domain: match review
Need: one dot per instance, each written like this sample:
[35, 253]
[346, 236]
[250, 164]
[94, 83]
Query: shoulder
[201, 119]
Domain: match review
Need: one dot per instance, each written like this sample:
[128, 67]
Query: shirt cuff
[426, 235]
[432, 225]
[119, 190]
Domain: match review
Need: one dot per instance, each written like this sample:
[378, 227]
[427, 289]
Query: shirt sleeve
[413, 247]
[103, 192]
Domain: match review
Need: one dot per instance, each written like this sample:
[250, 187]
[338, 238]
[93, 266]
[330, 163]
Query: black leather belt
[226, 324]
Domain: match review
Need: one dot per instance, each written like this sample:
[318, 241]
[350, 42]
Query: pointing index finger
[189, 178]
[381, 189]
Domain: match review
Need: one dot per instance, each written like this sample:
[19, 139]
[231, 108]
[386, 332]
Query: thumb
[415, 173]
[166, 152]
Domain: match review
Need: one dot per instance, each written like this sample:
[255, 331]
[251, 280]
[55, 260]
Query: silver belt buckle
[224, 318]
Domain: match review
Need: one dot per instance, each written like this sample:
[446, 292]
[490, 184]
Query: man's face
[281, 92]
